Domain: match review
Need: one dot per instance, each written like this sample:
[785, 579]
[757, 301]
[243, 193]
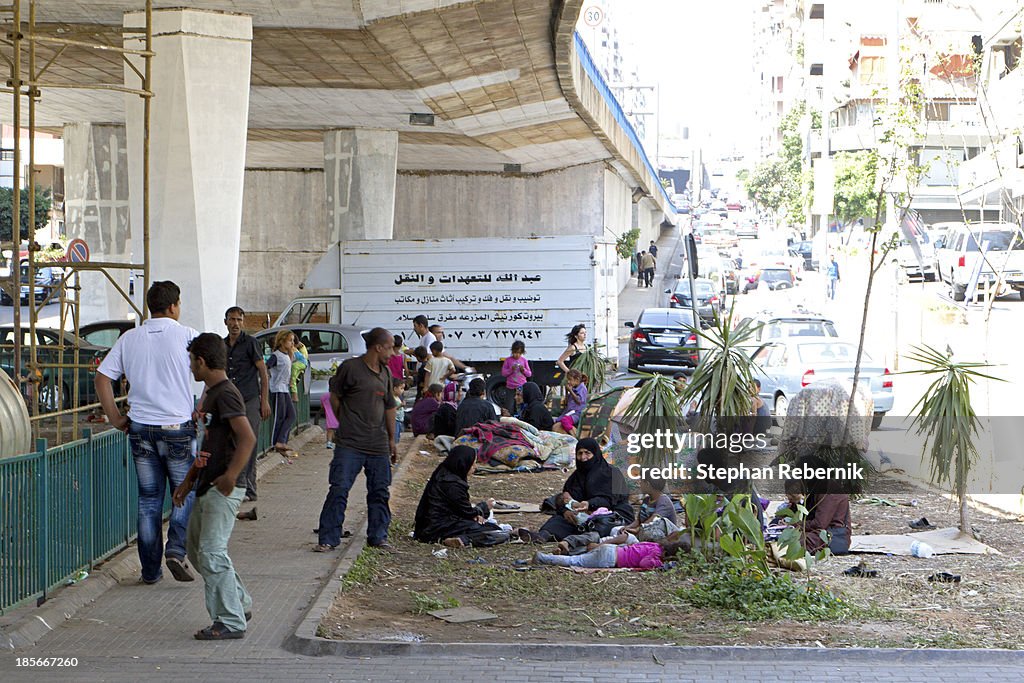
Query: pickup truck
[983, 254]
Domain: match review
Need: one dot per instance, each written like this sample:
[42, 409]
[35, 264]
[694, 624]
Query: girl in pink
[516, 370]
[397, 362]
[330, 419]
[607, 556]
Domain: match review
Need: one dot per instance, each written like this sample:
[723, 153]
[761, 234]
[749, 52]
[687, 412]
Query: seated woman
[445, 514]
[595, 484]
[828, 510]
[534, 411]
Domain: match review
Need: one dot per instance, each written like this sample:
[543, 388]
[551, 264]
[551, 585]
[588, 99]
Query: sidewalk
[273, 556]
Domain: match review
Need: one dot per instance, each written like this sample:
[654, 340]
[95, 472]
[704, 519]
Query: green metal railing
[64, 509]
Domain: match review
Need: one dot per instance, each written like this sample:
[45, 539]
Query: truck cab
[305, 310]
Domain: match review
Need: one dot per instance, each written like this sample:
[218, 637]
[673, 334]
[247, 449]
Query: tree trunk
[965, 516]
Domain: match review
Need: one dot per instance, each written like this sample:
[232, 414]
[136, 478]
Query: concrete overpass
[280, 127]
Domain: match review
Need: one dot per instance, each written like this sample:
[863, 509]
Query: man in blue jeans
[361, 397]
[154, 358]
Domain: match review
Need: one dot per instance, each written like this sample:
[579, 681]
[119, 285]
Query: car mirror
[630, 324]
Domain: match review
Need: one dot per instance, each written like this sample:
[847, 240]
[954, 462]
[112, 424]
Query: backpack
[444, 420]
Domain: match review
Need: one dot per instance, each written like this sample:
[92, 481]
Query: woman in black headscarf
[595, 484]
[445, 514]
[534, 411]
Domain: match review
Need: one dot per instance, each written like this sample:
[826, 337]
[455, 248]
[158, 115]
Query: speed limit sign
[593, 16]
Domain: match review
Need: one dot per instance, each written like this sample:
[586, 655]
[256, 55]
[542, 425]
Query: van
[982, 249]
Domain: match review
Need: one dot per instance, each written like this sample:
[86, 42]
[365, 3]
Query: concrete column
[96, 210]
[197, 152]
[360, 168]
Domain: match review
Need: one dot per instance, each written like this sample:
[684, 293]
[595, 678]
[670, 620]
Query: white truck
[485, 292]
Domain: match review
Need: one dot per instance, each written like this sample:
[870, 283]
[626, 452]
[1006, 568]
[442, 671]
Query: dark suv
[662, 336]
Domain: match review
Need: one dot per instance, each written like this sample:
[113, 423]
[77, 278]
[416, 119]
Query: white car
[960, 257]
[912, 268]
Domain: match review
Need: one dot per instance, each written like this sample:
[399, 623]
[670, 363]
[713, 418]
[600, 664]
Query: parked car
[105, 332]
[960, 256]
[327, 344]
[788, 365]
[709, 298]
[46, 278]
[662, 336]
[804, 250]
[770, 326]
[57, 384]
[906, 260]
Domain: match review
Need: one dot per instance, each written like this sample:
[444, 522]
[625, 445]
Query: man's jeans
[252, 413]
[603, 557]
[160, 455]
[345, 467]
[209, 529]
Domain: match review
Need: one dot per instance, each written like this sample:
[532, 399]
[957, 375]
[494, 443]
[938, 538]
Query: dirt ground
[385, 593]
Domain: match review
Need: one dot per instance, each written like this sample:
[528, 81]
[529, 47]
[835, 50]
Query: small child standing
[439, 367]
[575, 402]
[280, 367]
[219, 481]
[421, 371]
[397, 361]
[516, 371]
[398, 389]
[330, 420]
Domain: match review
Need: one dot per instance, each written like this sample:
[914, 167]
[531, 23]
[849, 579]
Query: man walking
[218, 478]
[653, 249]
[361, 397]
[833, 276]
[154, 358]
[648, 263]
[248, 372]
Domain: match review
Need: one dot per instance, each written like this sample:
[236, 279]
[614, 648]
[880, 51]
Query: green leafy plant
[325, 374]
[656, 406]
[945, 416]
[625, 245]
[742, 537]
[702, 520]
[592, 363]
[723, 377]
[423, 604]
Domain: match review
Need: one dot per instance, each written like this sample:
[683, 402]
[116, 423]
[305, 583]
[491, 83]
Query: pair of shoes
[385, 546]
[323, 548]
[250, 515]
[179, 569]
[218, 631]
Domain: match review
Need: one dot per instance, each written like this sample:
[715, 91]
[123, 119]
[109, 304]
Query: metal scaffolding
[19, 50]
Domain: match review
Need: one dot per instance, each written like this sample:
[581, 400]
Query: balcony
[1006, 96]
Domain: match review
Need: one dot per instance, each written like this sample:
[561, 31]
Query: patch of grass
[422, 604]
[364, 570]
[747, 596]
[664, 633]
[399, 528]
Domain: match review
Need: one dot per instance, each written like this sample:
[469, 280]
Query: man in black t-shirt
[362, 399]
[219, 480]
[248, 372]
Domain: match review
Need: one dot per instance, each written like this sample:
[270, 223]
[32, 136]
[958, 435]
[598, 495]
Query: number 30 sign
[593, 16]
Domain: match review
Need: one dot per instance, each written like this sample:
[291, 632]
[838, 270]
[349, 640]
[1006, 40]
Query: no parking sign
[78, 251]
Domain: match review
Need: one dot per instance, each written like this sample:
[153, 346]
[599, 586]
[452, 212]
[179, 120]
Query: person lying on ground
[607, 556]
[475, 408]
[534, 412]
[595, 484]
[577, 544]
[445, 514]
[421, 418]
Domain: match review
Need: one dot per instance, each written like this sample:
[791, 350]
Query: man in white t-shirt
[154, 359]
[420, 327]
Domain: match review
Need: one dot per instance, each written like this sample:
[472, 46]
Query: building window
[818, 10]
[872, 70]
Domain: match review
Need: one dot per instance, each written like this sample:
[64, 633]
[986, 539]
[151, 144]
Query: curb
[30, 628]
[305, 640]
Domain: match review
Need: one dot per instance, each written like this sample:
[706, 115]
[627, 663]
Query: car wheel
[781, 408]
[54, 397]
[958, 292]
[876, 420]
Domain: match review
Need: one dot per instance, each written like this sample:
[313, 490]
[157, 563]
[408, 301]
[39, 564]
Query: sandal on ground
[498, 505]
[323, 548]
[922, 523]
[218, 631]
[861, 571]
[250, 515]
[179, 569]
[944, 577]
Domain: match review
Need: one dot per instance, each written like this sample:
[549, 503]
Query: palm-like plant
[723, 377]
[945, 416]
[656, 406]
[594, 365]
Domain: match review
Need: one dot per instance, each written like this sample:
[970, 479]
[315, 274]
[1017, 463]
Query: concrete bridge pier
[197, 164]
[360, 171]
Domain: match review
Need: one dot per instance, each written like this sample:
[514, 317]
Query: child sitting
[575, 402]
[564, 500]
[422, 416]
[608, 556]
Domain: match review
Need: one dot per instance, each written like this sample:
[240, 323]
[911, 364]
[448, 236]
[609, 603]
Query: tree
[856, 193]
[782, 184]
[43, 204]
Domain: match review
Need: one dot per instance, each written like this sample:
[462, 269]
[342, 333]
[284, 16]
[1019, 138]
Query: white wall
[437, 205]
[284, 233]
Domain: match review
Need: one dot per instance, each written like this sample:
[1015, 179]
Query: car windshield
[666, 318]
[776, 275]
[998, 240]
[801, 328]
[830, 352]
[703, 288]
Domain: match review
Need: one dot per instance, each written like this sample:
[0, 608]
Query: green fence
[67, 508]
